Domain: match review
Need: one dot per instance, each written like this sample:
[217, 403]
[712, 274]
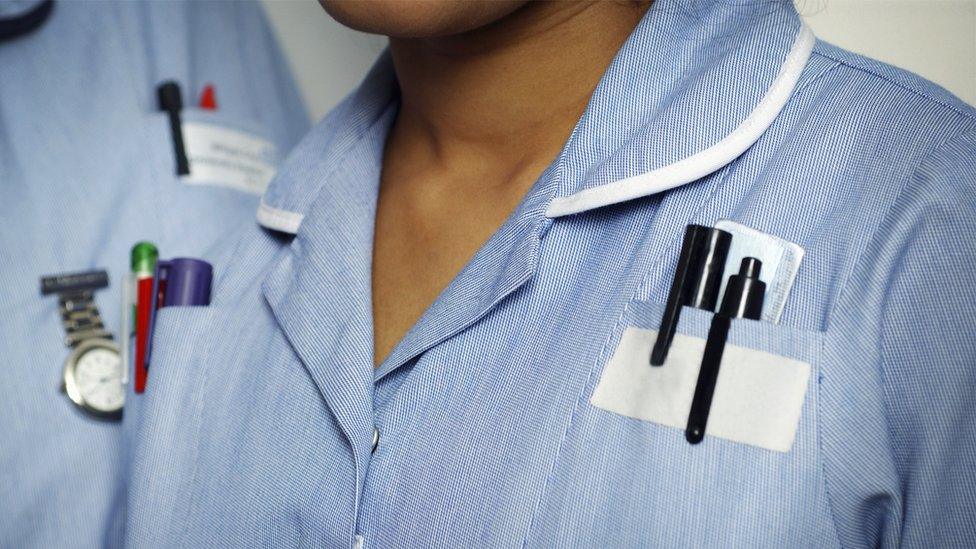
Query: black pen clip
[743, 298]
[697, 281]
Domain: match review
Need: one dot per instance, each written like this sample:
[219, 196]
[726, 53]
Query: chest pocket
[626, 475]
[760, 390]
[162, 425]
[179, 366]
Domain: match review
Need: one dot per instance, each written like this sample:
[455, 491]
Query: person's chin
[418, 18]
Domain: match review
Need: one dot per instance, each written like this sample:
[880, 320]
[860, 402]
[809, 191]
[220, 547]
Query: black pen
[697, 280]
[171, 102]
[743, 298]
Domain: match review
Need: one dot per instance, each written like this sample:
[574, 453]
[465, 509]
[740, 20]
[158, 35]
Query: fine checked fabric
[86, 170]
[259, 428]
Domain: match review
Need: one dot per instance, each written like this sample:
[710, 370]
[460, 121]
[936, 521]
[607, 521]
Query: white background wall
[934, 38]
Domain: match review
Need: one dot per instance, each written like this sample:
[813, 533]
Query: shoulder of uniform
[892, 83]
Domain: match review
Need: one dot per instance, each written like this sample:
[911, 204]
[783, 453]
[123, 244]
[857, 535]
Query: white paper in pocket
[228, 158]
[758, 395]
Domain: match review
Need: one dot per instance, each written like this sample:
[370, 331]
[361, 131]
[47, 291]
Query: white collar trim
[706, 161]
[684, 171]
[278, 219]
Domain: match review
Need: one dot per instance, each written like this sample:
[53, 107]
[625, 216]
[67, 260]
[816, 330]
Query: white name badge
[228, 158]
[758, 395]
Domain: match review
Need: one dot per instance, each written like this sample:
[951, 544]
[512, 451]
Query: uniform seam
[831, 508]
[601, 357]
[901, 85]
[816, 77]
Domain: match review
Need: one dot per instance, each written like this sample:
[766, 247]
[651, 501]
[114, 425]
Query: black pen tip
[657, 357]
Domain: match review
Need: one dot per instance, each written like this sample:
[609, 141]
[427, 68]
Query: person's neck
[509, 94]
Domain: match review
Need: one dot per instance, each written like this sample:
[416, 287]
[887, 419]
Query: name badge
[228, 158]
[758, 395]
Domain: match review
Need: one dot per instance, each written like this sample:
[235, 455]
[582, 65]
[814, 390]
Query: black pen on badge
[697, 281]
[171, 102]
[743, 298]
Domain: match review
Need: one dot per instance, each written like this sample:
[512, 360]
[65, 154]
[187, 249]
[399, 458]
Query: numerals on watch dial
[98, 374]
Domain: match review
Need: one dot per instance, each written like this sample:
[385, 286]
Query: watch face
[93, 378]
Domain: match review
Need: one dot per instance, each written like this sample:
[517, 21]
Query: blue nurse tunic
[517, 412]
[87, 168]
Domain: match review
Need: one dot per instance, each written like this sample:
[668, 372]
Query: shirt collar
[22, 17]
[10, 9]
[313, 161]
[692, 88]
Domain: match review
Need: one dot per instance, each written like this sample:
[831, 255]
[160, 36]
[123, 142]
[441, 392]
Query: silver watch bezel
[71, 384]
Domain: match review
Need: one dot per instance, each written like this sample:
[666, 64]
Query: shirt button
[376, 439]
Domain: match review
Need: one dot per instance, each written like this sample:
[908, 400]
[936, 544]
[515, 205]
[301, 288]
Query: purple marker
[187, 282]
[182, 281]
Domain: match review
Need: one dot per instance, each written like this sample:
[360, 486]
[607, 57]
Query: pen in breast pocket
[743, 298]
[127, 329]
[144, 258]
[697, 279]
[208, 98]
[187, 282]
[178, 282]
[171, 102]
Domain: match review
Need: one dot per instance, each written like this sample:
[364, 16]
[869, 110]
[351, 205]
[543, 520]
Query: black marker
[171, 101]
[697, 280]
[743, 299]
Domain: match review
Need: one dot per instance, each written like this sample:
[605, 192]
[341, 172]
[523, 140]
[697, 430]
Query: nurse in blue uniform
[439, 335]
[87, 169]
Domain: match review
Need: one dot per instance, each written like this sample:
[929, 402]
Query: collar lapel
[320, 289]
[312, 163]
[693, 88]
[690, 91]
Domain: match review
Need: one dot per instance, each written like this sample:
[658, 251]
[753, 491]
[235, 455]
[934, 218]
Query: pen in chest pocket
[144, 257]
[178, 282]
[743, 299]
[171, 102]
[697, 280]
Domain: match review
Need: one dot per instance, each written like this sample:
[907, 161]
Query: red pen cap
[208, 98]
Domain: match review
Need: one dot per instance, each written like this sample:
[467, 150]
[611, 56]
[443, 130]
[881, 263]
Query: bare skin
[483, 114]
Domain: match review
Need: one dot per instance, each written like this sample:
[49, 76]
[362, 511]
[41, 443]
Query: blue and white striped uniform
[259, 421]
[87, 169]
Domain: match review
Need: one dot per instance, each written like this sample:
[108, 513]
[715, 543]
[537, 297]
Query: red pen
[144, 257]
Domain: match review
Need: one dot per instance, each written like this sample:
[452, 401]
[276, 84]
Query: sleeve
[919, 272]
